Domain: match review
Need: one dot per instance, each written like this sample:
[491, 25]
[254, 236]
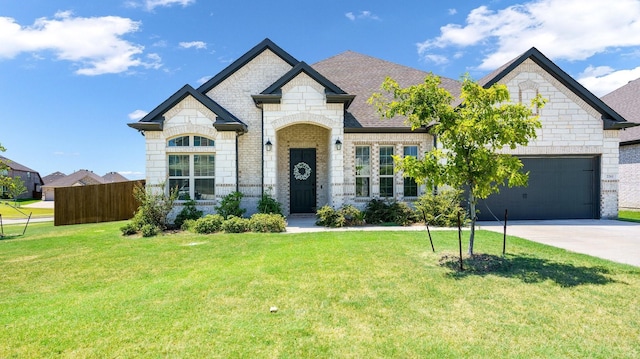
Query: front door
[302, 177]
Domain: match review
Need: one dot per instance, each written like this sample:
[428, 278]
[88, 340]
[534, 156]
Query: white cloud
[363, 15]
[561, 29]
[150, 5]
[203, 79]
[436, 59]
[452, 11]
[94, 44]
[196, 44]
[603, 79]
[137, 114]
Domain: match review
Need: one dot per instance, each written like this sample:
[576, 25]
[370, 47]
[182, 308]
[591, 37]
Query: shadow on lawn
[528, 269]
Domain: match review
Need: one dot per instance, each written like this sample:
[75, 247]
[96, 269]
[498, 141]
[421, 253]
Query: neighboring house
[53, 177]
[31, 179]
[306, 135]
[626, 101]
[78, 178]
[113, 177]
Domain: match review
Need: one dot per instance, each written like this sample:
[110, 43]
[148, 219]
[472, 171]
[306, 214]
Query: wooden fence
[95, 203]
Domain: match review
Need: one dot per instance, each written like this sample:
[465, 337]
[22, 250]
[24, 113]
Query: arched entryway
[303, 166]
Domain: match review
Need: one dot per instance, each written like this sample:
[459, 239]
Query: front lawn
[630, 216]
[8, 210]
[85, 291]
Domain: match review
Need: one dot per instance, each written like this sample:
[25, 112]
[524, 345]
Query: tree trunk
[472, 215]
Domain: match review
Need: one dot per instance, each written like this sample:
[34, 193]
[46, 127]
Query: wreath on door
[301, 175]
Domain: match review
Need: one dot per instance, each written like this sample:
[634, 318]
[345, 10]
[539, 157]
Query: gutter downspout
[262, 150]
[237, 164]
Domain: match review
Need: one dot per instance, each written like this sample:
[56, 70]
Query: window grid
[386, 171]
[363, 171]
[410, 186]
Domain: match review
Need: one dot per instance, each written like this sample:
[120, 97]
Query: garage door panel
[559, 188]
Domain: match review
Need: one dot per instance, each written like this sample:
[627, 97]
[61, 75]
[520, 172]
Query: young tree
[5, 180]
[472, 135]
[16, 187]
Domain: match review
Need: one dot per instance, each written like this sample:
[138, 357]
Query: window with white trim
[363, 171]
[386, 171]
[192, 173]
[410, 185]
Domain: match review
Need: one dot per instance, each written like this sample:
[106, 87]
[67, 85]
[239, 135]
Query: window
[181, 141]
[410, 185]
[363, 171]
[199, 141]
[193, 175]
[386, 171]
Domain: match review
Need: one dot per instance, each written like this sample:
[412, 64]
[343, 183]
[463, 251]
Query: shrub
[188, 224]
[352, 215]
[235, 224]
[189, 211]
[440, 209]
[329, 217]
[267, 223]
[384, 211]
[210, 223]
[230, 205]
[129, 229]
[268, 204]
[149, 230]
[154, 207]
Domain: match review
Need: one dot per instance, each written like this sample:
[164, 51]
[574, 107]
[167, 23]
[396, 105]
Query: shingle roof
[114, 177]
[15, 165]
[53, 177]
[83, 177]
[362, 75]
[626, 101]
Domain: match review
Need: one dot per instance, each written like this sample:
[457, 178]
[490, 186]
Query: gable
[610, 118]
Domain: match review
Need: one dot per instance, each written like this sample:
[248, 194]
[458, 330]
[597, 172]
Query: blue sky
[74, 73]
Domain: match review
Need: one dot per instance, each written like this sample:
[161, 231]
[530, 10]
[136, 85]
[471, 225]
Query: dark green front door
[302, 174]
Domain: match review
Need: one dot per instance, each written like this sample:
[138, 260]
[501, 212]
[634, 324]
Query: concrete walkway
[618, 241]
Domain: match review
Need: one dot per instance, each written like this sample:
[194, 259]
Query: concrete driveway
[610, 239]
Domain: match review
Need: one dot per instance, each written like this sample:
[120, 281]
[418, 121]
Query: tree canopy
[472, 135]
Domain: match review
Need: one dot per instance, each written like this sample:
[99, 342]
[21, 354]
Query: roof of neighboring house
[114, 177]
[15, 165]
[53, 177]
[611, 119]
[81, 177]
[362, 75]
[626, 101]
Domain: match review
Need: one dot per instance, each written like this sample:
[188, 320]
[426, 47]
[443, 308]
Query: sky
[74, 73]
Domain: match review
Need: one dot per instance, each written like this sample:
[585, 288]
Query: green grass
[630, 216]
[9, 211]
[84, 291]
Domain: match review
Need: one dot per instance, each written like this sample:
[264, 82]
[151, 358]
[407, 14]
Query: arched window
[200, 141]
[181, 141]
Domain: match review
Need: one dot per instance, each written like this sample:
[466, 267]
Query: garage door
[559, 188]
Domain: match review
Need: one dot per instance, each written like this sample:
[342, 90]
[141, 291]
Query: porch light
[268, 145]
[338, 144]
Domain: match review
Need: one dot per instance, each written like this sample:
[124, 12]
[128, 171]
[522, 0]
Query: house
[626, 101]
[31, 179]
[53, 177]
[78, 178]
[306, 135]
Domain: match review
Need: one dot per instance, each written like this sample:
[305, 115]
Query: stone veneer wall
[190, 117]
[630, 176]
[234, 94]
[303, 119]
[424, 141]
[569, 127]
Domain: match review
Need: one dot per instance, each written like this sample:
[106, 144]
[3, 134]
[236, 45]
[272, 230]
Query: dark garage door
[559, 188]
